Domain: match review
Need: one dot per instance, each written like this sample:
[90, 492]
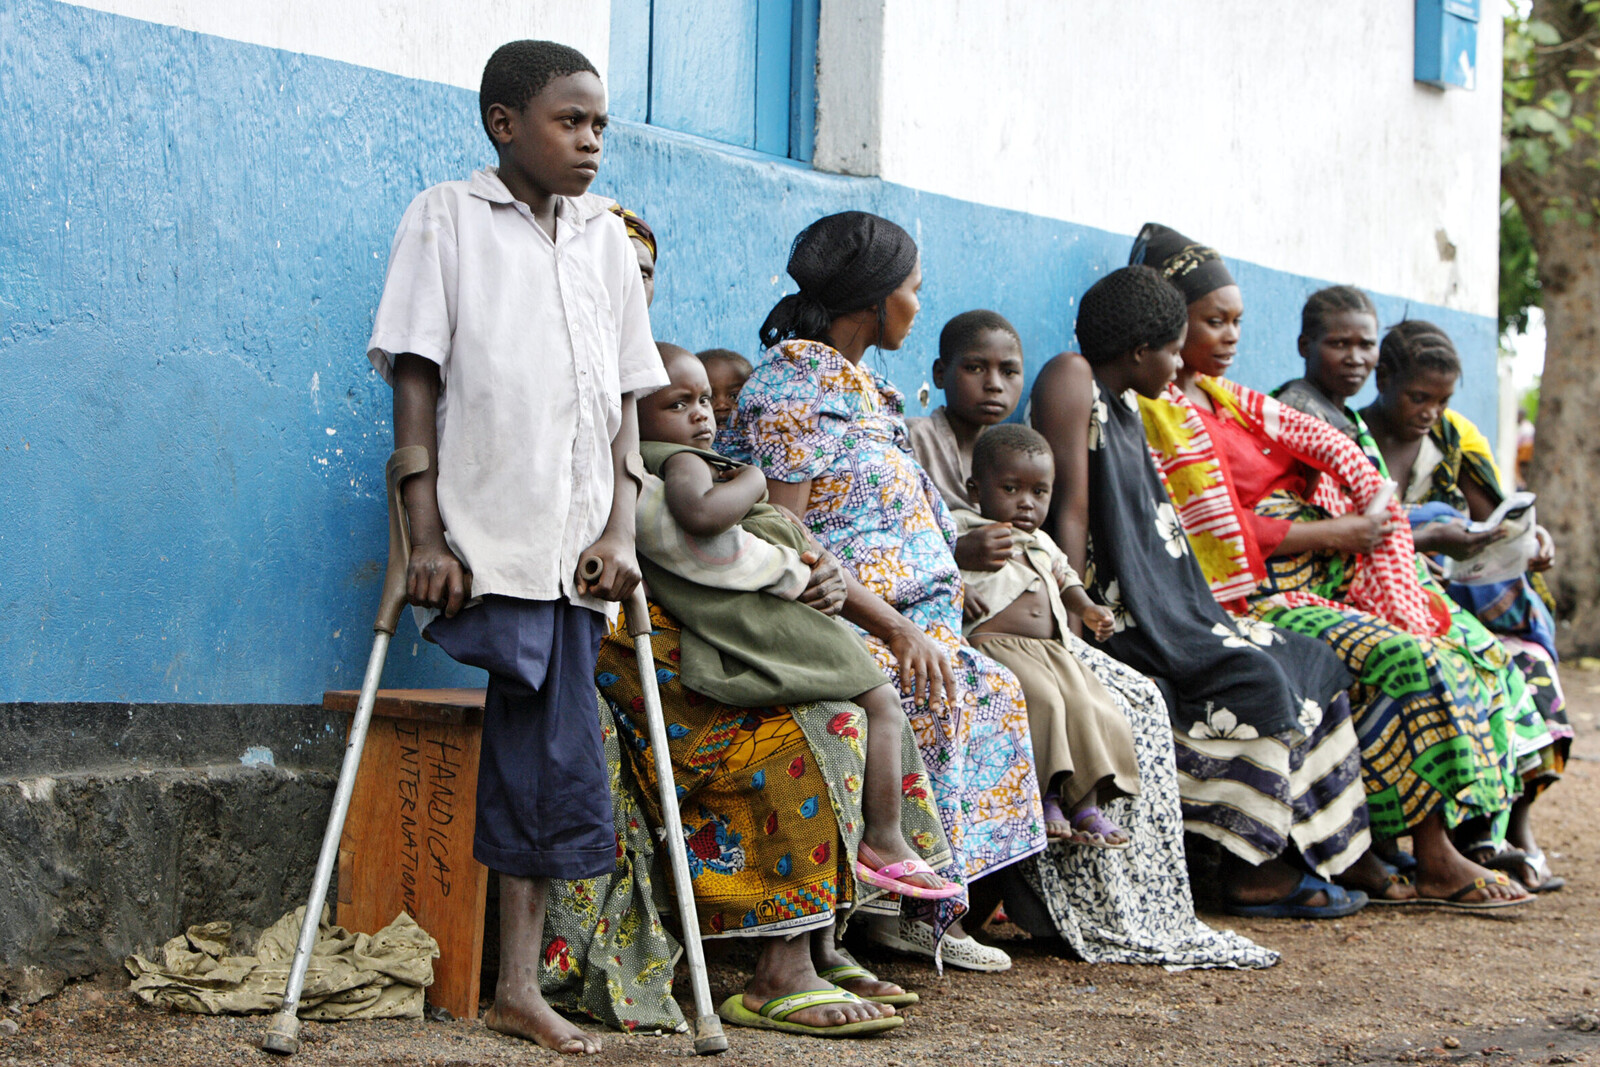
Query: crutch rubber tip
[283, 1037]
[708, 1036]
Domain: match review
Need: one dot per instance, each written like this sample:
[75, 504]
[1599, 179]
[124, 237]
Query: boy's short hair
[1006, 439]
[726, 355]
[519, 70]
[959, 333]
[1129, 308]
[1413, 346]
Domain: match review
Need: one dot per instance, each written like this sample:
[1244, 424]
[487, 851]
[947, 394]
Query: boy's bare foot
[785, 967]
[535, 1020]
[520, 1010]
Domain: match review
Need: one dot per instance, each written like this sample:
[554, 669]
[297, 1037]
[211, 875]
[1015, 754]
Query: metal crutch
[284, 1034]
[708, 1035]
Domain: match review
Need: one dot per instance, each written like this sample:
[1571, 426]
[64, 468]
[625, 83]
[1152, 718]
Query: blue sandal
[1296, 905]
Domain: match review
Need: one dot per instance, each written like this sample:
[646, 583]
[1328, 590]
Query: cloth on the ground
[349, 976]
[542, 806]
[770, 797]
[808, 414]
[746, 641]
[933, 441]
[1225, 680]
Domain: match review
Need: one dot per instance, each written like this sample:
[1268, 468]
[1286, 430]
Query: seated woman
[830, 436]
[1266, 754]
[1434, 691]
[1446, 474]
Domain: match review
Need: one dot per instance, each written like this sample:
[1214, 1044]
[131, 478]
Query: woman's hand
[826, 590]
[988, 548]
[1451, 538]
[435, 578]
[1354, 533]
[925, 673]
[1546, 556]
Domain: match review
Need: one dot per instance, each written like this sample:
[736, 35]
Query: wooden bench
[407, 843]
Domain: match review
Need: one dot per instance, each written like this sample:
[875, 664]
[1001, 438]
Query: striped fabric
[1259, 798]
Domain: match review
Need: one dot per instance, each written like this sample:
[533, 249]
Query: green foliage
[1529, 401]
[1545, 79]
[1519, 270]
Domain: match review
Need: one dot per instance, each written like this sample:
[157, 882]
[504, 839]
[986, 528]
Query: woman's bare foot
[1442, 871]
[785, 967]
[1377, 879]
[520, 1010]
[825, 953]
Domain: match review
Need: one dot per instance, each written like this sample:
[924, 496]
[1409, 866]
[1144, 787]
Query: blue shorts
[544, 794]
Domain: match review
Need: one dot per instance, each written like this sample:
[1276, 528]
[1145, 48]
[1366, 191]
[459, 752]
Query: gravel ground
[1386, 986]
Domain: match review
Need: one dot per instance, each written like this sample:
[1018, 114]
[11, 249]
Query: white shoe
[916, 939]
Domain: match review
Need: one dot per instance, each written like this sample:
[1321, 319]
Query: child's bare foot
[532, 1019]
[1056, 827]
[893, 850]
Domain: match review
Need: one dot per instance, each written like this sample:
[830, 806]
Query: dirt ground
[1387, 986]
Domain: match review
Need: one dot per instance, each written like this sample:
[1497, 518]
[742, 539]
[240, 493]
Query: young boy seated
[727, 371]
[1082, 746]
[726, 564]
[979, 367]
[526, 412]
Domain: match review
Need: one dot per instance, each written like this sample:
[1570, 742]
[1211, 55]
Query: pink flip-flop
[889, 878]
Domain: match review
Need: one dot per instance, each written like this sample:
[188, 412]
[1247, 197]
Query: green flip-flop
[851, 972]
[774, 1014]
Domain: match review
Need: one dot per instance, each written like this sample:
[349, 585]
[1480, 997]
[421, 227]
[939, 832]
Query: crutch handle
[405, 462]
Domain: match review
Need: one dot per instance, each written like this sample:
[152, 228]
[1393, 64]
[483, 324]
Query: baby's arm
[435, 578]
[615, 548]
[1096, 617]
[703, 505]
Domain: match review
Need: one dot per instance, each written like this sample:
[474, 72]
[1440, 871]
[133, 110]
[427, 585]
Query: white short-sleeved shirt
[536, 342]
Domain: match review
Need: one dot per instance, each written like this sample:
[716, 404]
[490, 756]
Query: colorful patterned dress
[1435, 697]
[807, 413]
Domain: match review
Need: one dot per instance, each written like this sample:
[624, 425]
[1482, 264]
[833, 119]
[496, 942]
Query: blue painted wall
[193, 235]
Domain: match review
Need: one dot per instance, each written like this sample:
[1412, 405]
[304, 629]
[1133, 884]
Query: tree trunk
[1560, 203]
[1566, 451]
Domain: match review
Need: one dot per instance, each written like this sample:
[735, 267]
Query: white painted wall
[1287, 133]
[433, 40]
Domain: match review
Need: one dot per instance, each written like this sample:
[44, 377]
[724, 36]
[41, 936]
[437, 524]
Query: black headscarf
[844, 263]
[1195, 269]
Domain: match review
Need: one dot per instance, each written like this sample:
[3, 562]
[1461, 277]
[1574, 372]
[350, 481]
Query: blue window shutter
[628, 70]
[803, 80]
[703, 68]
[774, 31]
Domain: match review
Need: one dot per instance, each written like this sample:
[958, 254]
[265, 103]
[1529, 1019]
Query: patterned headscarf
[1191, 266]
[638, 229]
